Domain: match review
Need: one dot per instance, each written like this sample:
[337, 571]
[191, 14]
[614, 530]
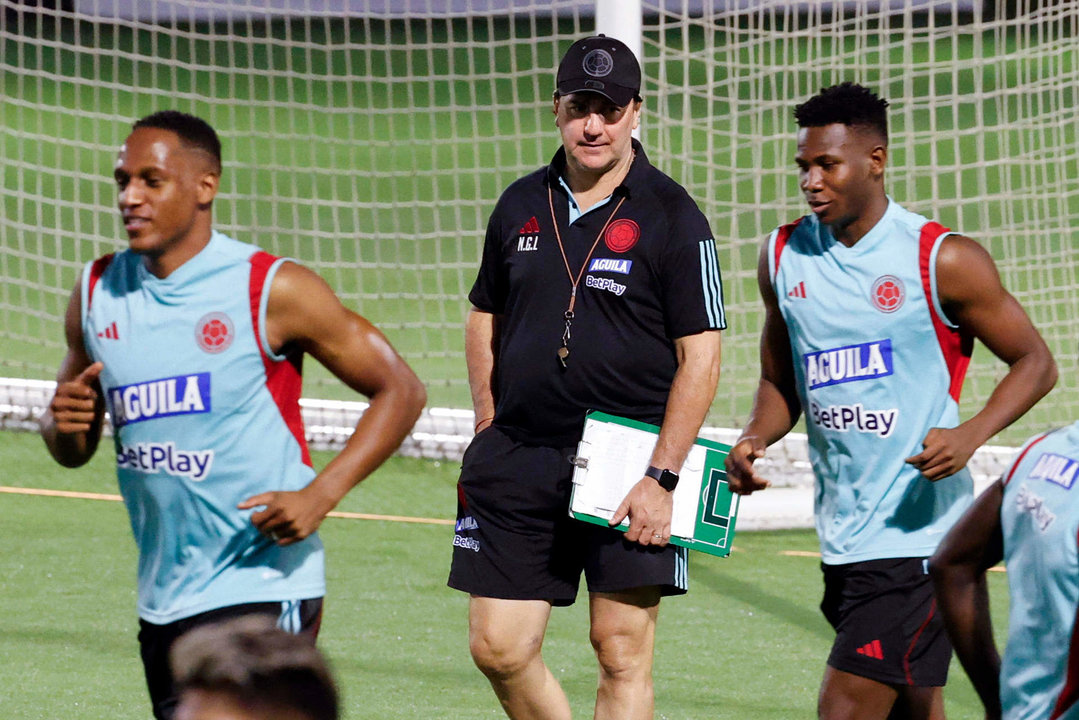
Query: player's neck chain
[563, 350]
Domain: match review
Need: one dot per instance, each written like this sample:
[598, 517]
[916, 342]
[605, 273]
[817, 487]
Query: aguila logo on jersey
[180, 395]
[214, 332]
[621, 235]
[528, 236]
[888, 293]
[849, 364]
[1057, 469]
[598, 63]
[615, 265]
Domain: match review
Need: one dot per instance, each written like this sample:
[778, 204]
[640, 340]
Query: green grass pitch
[746, 643]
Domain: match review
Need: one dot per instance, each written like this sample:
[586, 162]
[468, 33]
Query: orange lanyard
[563, 351]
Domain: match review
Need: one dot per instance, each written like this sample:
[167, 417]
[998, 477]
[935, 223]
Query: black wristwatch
[667, 480]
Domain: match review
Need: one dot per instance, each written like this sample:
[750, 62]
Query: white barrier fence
[444, 433]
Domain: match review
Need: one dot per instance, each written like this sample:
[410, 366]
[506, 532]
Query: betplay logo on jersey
[843, 418]
[848, 364]
[1034, 505]
[180, 395]
[163, 457]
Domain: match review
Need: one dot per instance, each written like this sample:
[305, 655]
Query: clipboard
[611, 458]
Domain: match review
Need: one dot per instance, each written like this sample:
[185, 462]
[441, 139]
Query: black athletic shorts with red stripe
[888, 627]
[515, 539]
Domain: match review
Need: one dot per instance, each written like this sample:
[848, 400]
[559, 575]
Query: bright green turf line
[748, 642]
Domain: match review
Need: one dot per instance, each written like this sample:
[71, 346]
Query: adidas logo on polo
[528, 236]
[872, 649]
[799, 290]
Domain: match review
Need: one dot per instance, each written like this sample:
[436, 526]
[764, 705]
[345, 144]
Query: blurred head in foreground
[249, 669]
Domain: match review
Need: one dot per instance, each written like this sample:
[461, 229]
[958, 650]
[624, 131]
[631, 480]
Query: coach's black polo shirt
[653, 277]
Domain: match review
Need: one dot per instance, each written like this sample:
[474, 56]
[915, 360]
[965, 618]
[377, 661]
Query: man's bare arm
[972, 296]
[71, 426]
[304, 314]
[775, 406]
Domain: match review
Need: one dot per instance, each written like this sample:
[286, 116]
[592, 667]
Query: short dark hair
[847, 104]
[194, 132]
[254, 661]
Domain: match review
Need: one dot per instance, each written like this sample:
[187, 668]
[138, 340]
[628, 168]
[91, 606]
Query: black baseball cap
[601, 65]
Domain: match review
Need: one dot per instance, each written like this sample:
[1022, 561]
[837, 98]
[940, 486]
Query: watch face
[668, 480]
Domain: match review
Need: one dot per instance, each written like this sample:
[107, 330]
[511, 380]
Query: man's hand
[946, 453]
[288, 517]
[73, 405]
[741, 477]
[649, 509]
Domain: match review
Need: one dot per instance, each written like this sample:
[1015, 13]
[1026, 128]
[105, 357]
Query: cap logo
[598, 63]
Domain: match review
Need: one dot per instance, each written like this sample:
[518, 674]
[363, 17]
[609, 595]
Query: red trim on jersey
[1069, 695]
[914, 642]
[96, 271]
[955, 346]
[284, 378]
[1011, 471]
[782, 235]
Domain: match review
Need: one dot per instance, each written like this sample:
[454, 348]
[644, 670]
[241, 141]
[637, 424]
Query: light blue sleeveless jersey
[204, 416]
[1039, 675]
[877, 365]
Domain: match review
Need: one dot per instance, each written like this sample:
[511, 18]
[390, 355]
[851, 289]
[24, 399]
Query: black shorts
[155, 641]
[887, 624]
[514, 538]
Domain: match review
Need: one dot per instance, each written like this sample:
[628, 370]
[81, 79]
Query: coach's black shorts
[886, 620]
[514, 538]
[155, 641]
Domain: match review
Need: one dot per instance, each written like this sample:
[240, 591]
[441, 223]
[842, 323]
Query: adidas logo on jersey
[528, 236]
[110, 332]
[872, 649]
[799, 291]
[530, 228]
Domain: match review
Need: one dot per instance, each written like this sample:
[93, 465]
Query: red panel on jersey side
[782, 235]
[1070, 694]
[1015, 463]
[284, 378]
[955, 346]
[96, 271]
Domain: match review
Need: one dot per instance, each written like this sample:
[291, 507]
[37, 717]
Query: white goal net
[371, 138]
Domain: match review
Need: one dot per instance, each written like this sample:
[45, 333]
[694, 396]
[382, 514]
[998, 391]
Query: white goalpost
[370, 139]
